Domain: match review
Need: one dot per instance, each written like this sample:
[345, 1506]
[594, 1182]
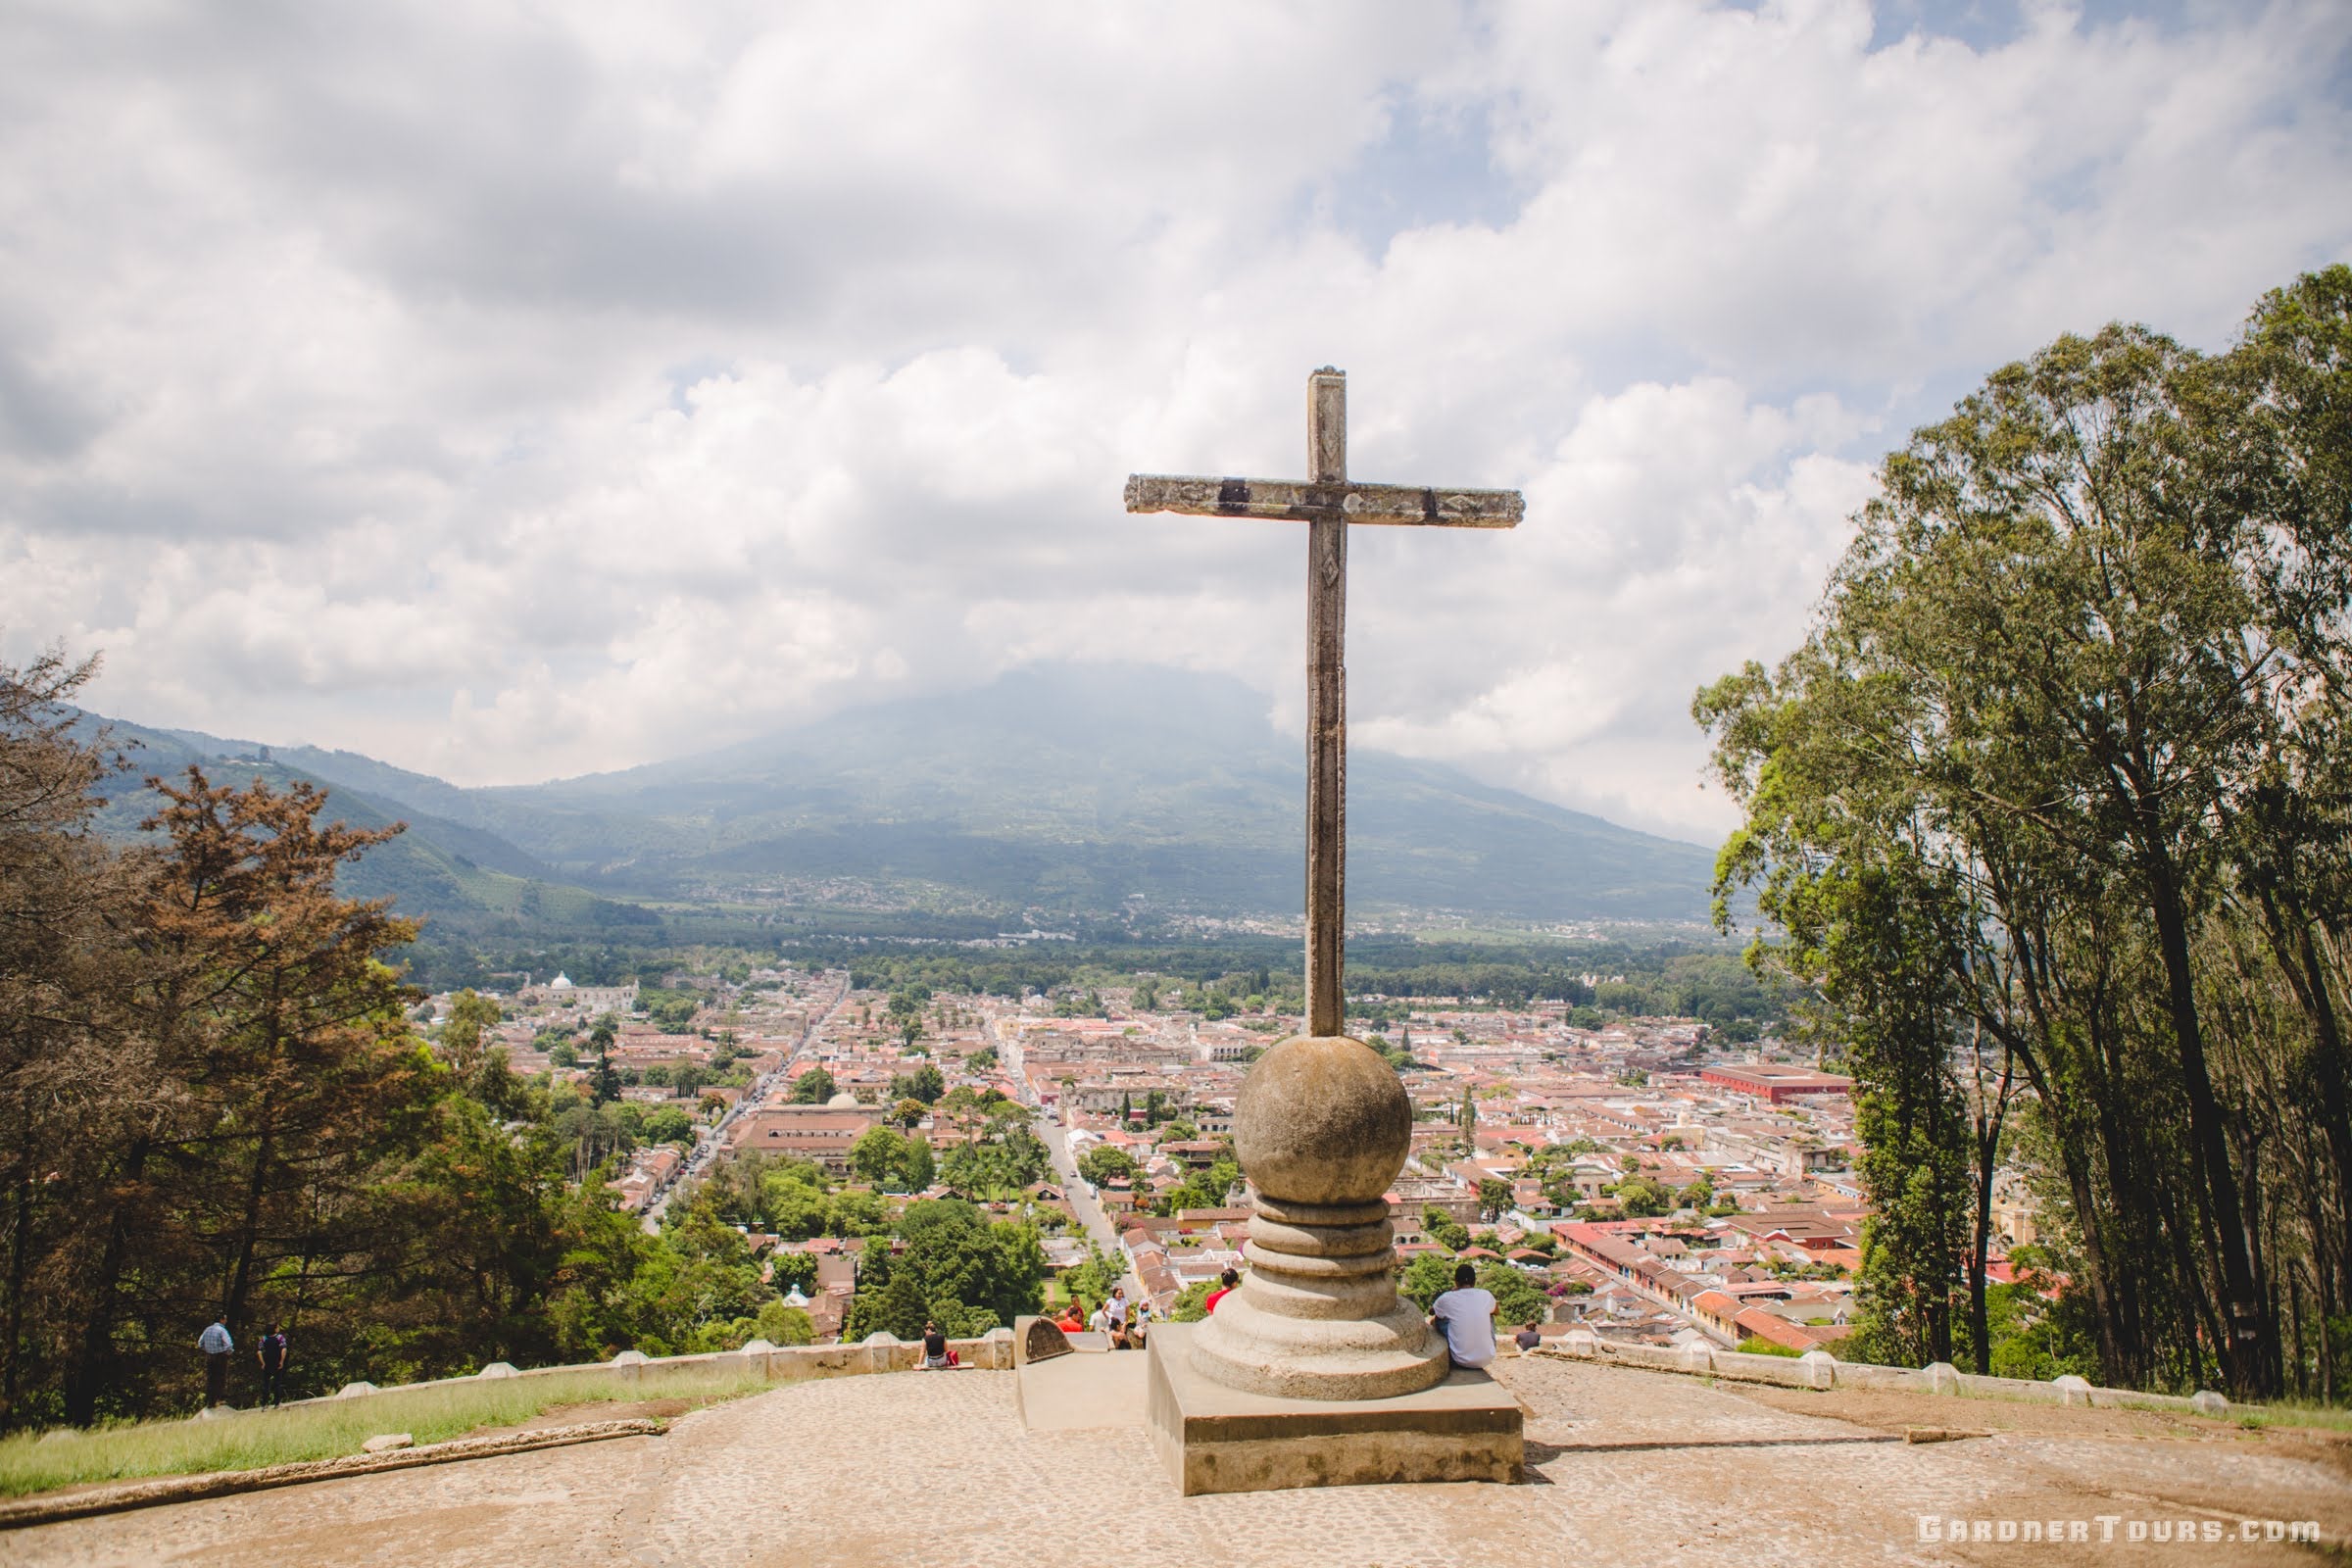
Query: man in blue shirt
[1465, 1315]
[215, 1344]
[271, 1354]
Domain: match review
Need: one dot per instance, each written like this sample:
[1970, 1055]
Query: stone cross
[1322, 1124]
[1327, 502]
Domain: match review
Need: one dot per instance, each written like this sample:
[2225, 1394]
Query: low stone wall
[778, 1363]
[1818, 1369]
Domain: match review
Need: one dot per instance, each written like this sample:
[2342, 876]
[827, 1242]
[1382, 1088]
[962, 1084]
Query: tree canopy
[2051, 806]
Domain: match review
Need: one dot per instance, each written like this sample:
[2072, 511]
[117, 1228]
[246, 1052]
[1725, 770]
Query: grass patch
[1753, 1345]
[2334, 1418]
[333, 1428]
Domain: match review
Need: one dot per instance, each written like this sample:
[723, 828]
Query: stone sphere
[1322, 1119]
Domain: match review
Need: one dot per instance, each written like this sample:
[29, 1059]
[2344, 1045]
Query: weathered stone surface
[1040, 1340]
[386, 1441]
[1623, 1467]
[1212, 1437]
[1299, 501]
[1322, 1127]
[1322, 1120]
[1072, 1393]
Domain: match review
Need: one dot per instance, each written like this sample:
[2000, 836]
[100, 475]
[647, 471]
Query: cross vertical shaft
[1326, 712]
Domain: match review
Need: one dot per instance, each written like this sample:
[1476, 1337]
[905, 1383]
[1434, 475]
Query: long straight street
[1090, 1213]
[708, 1146]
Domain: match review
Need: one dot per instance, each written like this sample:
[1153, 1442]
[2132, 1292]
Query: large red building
[1774, 1083]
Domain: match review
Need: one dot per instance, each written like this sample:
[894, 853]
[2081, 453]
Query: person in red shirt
[1073, 1317]
[1225, 1283]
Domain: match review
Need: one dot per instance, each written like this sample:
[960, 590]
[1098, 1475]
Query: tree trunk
[2327, 1067]
[1987, 1151]
[2246, 1325]
[94, 1346]
[20, 1259]
[2113, 1365]
[249, 1229]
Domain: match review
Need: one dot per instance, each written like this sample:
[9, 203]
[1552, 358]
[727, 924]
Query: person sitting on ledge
[1074, 1316]
[1528, 1338]
[1117, 1309]
[1225, 1283]
[935, 1347]
[1465, 1315]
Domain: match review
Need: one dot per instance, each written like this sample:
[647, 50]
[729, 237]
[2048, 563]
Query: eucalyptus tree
[2068, 714]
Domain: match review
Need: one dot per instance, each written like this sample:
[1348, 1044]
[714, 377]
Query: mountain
[452, 873]
[1053, 788]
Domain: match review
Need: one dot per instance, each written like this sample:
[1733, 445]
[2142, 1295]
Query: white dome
[561, 982]
[845, 1097]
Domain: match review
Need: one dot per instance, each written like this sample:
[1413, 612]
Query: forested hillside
[214, 1103]
[465, 880]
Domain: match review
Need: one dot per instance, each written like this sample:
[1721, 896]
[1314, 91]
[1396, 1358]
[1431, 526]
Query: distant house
[821, 1134]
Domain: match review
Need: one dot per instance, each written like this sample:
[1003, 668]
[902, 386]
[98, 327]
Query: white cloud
[512, 392]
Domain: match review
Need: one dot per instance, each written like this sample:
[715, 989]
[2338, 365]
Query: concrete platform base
[1215, 1439]
[1089, 1389]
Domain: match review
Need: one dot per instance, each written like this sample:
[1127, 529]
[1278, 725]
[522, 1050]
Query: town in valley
[1640, 1177]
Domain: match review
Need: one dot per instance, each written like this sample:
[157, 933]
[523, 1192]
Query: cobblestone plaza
[1625, 1467]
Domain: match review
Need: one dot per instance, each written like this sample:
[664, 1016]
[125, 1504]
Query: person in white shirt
[1117, 1308]
[1465, 1315]
[215, 1344]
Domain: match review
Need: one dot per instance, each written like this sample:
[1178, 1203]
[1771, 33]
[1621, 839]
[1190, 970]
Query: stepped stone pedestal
[1313, 1372]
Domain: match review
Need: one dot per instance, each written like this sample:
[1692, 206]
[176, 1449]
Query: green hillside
[459, 877]
[1080, 789]
[1053, 788]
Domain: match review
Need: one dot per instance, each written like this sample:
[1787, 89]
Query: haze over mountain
[1055, 788]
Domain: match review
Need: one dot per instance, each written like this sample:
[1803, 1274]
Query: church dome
[561, 982]
[843, 1100]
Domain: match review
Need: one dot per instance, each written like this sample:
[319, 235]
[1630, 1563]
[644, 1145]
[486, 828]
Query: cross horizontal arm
[1396, 504]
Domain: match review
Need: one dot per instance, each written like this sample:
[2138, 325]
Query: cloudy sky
[515, 390]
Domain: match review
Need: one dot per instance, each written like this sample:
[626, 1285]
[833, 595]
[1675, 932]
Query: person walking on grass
[216, 1345]
[271, 1354]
